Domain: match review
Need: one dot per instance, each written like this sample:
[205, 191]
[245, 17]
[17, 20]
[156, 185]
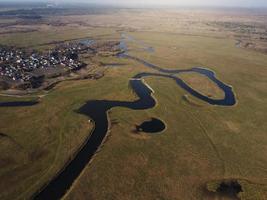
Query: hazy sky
[236, 3]
[193, 2]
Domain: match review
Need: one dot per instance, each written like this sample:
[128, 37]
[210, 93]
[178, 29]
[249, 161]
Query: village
[20, 66]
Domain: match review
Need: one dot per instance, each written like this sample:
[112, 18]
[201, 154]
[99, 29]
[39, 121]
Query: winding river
[97, 111]
[18, 103]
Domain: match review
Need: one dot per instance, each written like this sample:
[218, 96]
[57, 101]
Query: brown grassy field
[201, 145]
[208, 143]
[203, 85]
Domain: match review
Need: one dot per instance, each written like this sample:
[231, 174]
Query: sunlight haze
[224, 3]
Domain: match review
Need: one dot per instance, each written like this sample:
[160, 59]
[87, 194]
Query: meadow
[202, 145]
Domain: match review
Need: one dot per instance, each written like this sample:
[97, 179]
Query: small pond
[152, 126]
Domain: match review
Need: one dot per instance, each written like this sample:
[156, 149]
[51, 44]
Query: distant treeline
[37, 13]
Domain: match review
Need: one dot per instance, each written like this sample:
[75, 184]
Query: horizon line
[134, 5]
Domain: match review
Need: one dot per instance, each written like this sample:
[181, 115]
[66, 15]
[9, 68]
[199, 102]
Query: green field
[44, 38]
[201, 144]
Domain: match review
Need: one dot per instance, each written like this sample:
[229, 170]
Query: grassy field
[201, 145]
[202, 84]
[44, 38]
